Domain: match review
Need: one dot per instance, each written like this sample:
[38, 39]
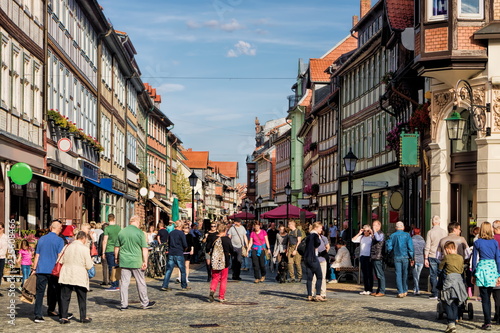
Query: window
[471, 9]
[438, 10]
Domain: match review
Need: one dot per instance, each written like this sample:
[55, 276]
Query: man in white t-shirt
[238, 236]
[333, 233]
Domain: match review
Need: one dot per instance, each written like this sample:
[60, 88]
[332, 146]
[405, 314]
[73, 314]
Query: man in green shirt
[108, 244]
[131, 253]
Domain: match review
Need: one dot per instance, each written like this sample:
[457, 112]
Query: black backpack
[301, 248]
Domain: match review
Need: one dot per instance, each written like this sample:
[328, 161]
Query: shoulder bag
[57, 268]
[244, 248]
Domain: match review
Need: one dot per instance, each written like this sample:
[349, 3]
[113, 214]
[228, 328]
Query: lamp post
[288, 192]
[247, 206]
[259, 202]
[479, 114]
[193, 179]
[350, 161]
[197, 198]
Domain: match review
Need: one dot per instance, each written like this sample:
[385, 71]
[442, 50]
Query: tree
[183, 190]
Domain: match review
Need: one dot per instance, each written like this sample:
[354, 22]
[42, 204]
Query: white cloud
[231, 26]
[212, 24]
[170, 87]
[241, 48]
[192, 24]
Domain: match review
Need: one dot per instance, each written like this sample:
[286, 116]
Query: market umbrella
[175, 210]
[293, 212]
[242, 215]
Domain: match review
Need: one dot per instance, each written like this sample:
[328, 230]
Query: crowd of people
[276, 251]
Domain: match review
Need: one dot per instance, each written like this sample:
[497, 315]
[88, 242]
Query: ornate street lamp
[288, 192]
[350, 161]
[193, 179]
[247, 207]
[480, 114]
[259, 202]
[455, 126]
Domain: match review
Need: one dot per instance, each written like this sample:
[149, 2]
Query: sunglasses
[213, 226]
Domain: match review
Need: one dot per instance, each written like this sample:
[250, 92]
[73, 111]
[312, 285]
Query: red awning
[281, 213]
[242, 215]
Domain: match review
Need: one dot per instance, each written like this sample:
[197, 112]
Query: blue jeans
[26, 269]
[451, 311]
[332, 274]
[110, 259]
[416, 270]
[401, 266]
[434, 273]
[51, 283]
[313, 268]
[378, 268]
[179, 262]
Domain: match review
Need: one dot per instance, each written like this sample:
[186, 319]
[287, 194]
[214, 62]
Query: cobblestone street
[263, 307]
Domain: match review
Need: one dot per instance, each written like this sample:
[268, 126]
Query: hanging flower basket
[65, 124]
[393, 136]
[420, 119]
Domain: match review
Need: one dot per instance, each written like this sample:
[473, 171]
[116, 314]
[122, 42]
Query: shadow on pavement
[282, 294]
[407, 314]
[188, 294]
[110, 303]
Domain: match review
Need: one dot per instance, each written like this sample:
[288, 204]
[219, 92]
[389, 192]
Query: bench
[342, 272]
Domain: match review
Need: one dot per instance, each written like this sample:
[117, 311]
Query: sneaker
[39, 320]
[365, 293]
[211, 297]
[123, 308]
[433, 297]
[150, 305]
[222, 300]
[186, 289]
[486, 327]
[112, 289]
[166, 289]
[451, 328]
[177, 280]
[70, 315]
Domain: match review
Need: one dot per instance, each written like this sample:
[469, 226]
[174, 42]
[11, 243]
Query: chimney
[364, 7]
[355, 20]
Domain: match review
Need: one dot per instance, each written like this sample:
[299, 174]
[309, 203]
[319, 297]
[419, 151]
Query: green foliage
[182, 189]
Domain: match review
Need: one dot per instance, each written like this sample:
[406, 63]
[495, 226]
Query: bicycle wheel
[150, 269]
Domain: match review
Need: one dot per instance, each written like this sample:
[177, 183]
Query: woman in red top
[259, 245]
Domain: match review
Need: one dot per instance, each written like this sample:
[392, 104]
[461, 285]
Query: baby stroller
[282, 269]
[463, 308]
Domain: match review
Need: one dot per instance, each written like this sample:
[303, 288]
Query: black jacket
[227, 245]
[312, 243]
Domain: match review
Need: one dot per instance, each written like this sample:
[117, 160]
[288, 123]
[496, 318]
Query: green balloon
[20, 173]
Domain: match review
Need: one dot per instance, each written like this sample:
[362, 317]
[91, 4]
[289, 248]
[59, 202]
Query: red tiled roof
[218, 190]
[228, 169]
[196, 159]
[152, 92]
[344, 46]
[317, 69]
[306, 100]
[400, 13]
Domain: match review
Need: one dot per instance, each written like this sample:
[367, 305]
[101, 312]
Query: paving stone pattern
[263, 307]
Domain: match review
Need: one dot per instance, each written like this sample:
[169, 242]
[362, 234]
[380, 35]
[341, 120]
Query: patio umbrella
[242, 215]
[293, 212]
[175, 210]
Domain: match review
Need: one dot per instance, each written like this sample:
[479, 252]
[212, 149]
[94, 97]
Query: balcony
[292, 101]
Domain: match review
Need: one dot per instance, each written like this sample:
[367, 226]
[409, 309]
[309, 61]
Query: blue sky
[200, 55]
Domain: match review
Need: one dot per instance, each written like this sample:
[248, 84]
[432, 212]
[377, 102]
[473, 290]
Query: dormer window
[438, 10]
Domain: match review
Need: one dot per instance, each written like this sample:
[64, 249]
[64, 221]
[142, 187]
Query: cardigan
[76, 261]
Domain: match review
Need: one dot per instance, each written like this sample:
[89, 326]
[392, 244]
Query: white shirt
[365, 245]
[4, 246]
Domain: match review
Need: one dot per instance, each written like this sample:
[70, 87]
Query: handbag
[91, 272]
[93, 250]
[244, 248]
[57, 268]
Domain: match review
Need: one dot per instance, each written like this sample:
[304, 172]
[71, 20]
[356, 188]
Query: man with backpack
[294, 258]
[176, 244]
[219, 260]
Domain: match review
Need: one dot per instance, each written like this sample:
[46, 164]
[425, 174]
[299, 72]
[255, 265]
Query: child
[454, 292]
[25, 256]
